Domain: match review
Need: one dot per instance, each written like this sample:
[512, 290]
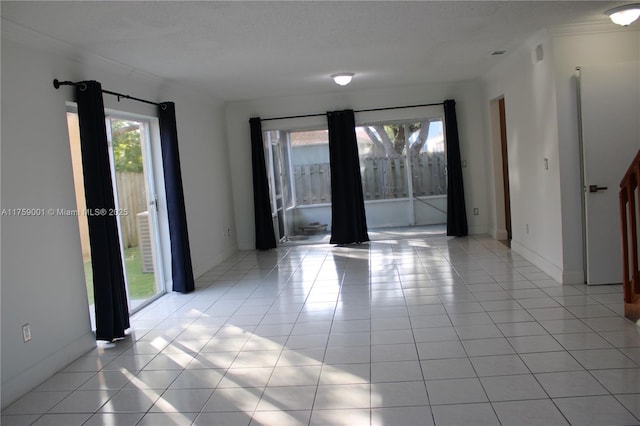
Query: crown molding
[54, 47]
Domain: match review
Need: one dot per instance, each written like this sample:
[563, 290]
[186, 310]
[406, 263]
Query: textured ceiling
[243, 50]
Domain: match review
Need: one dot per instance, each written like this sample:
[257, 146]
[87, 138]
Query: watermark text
[37, 212]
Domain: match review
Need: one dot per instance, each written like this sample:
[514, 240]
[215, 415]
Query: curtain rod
[359, 110]
[57, 84]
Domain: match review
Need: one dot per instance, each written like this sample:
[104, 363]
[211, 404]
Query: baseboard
[498, 234]
[478, 230]
[501, 235]
[35, 375]
[573, 277]
[245, 245]
[201, 269]
[552, 270]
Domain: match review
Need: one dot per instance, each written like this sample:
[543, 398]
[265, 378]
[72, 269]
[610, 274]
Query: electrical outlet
[476, 212]
[26, 332]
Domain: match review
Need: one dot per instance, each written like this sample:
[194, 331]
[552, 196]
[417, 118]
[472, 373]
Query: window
[402, 166]
[311, 172]
[390, 153]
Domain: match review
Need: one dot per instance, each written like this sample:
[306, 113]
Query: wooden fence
[132, 197]
[312, 183]
[382, 178]
[429, 174]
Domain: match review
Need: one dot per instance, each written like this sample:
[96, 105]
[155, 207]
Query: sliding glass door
[403, 167]
[135, 207]
[281, 192]
[426, 166]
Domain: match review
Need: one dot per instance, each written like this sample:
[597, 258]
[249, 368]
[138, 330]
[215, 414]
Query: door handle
[596, 188]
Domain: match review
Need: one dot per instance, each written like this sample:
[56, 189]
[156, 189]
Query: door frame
[153, 191]
[505, 168]
[277, 213]
[152, 160]
[503, 229]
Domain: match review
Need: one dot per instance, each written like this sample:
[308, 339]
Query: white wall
[528, 88]
[42, 270]
[470, 123]
[541, 118]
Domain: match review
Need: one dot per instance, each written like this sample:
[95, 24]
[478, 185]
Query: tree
[421, 140]
[390, 140]
[127, 153]
[383, 145]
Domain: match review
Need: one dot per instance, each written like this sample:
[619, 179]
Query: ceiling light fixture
[342, 78]
[624, 15]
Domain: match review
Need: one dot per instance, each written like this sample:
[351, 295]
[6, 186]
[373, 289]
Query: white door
[610, 117]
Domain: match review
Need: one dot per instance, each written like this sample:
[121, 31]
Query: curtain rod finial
[56, 83]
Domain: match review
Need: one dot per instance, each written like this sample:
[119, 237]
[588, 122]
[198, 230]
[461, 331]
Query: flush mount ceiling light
[624, 15]
[342, 78]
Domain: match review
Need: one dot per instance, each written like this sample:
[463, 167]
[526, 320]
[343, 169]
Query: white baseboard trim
[498, 234]
[552, 270]
[27, 380]
[501, 235]
[478, 230]
[573, 277]
[202, 268]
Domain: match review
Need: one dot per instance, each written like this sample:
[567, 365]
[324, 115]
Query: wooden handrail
[629, 228]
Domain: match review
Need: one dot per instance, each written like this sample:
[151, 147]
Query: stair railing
[629, 210]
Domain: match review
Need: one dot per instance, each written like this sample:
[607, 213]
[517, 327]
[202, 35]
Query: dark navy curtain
[111, 310]
[181, 267]
[265, 236]
[456, 211]
[348, 220]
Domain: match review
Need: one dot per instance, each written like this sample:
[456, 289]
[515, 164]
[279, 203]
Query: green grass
[141, 285]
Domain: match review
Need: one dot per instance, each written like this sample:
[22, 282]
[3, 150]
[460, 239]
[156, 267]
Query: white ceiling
[245, 50]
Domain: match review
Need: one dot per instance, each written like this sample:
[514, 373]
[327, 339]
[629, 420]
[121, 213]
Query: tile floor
[416, 331]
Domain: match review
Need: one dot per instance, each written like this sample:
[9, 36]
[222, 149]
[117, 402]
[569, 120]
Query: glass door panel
[427, 165]
[280, 188]
[73, 127]
[135, 208]
[287, 185]
[135, 201]
[402, 166]
[381, 150]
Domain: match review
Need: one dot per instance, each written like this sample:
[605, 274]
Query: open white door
[610, 120]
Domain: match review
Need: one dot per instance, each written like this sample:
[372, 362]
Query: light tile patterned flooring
[416, 331]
